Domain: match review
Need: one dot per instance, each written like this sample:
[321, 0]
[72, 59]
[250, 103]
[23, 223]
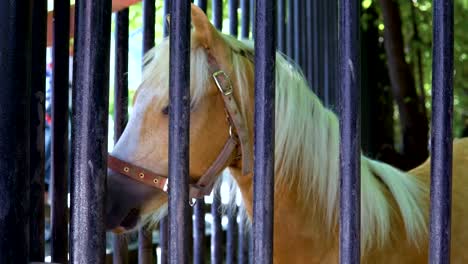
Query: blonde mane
[307, 148]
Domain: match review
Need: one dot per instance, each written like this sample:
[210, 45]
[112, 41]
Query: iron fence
[306, 31]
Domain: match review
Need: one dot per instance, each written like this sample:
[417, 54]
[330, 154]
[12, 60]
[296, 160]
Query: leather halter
[228, 154]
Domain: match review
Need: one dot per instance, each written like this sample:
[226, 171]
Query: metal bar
[217, 12]
[145, 245]
[37, 145]
[166, 9]
[326, 51]
[320, 48]
[163, 228]
[333, 44]
[179, 122]
[199, 232]
[296, 21]
[442, 111]
[59, 151]
[242, 243]
[302, 37]
[203, 5]
[310, 44]
[119, 242]
[265, 46]
[233, 18]
[120, 249]
[290, 25]
[315, 49]
[281, 37]
[163, 239]
[252, 16]
[245, 19]
[349, 132]
[89, 130]
[145, 254]
[15, 72]
[231, 238]
[149, 20]
[216, 228]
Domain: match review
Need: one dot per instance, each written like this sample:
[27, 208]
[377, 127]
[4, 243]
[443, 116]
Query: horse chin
[129, 222]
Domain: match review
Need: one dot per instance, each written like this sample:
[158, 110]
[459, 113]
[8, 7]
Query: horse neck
[299, 237]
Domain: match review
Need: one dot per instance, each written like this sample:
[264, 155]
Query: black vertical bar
[326, 51]
[217, 7]
[145, 245]
[145, 254]
[119, 242]
[333, 45]
[252, 16]
[281, 35]
[163, 228]
[310, 44]
[163, 237]
[203, 5]
[216, 228]
[232, 224]
[15, 75]
[166, 9]
[231, 236]
[59, 150]
[250, 240]
[315, 49]
[89, 130]
[349, 133]
[302, 37]
[233, 18]
[296, 21]
[290, 25]
[320, 49]
[37, 146]
[199, 232]
[242, 243]
[442, 111]
[199, 208]
[245, 19]
[179, 121]
[265, 46]
[120, 249]
[149, 19]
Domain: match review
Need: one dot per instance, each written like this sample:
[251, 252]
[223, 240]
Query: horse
[394, 204]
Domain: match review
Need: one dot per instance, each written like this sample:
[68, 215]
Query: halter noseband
[228, 154]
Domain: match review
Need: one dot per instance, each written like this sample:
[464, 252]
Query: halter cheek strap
[228, 154]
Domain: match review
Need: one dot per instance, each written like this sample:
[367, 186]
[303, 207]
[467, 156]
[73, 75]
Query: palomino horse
[394, 204]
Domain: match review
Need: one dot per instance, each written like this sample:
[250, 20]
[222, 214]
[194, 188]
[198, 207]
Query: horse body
[394, 204]
[300, 238]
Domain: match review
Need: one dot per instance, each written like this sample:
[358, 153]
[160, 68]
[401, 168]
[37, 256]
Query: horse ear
[203, 30]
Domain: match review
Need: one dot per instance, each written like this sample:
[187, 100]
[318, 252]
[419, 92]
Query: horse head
[219, 132]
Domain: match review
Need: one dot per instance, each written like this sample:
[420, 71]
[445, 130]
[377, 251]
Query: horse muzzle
[125, 198]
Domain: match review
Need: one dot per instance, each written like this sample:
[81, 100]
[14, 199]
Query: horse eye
[165, 110]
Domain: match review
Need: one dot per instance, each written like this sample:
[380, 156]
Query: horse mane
[307, 147]
[307, 159]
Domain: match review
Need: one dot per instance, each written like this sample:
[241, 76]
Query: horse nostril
[131, 219]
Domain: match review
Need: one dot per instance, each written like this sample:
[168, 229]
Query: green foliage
[423, 20]
[422, 15]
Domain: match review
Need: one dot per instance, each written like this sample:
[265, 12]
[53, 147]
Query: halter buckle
[165, 185]
[224, 90]
[192, 201]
